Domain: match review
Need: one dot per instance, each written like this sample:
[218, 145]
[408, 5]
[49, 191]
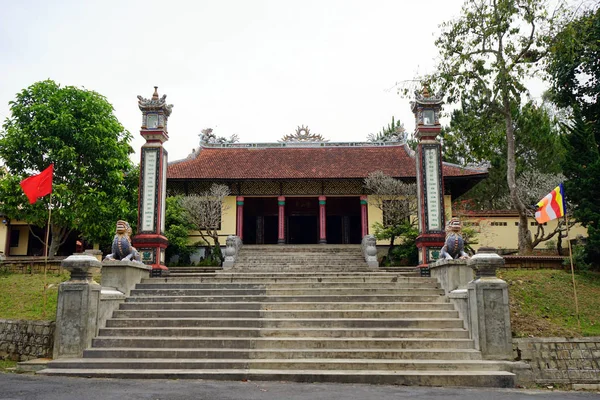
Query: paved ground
[31, 387]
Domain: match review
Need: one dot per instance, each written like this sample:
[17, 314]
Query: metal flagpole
[573, 273]
[46, 252]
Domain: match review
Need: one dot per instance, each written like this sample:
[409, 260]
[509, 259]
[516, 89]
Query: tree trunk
[58, 236]
[524, 236]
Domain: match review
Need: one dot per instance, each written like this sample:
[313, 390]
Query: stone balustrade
[84, 305]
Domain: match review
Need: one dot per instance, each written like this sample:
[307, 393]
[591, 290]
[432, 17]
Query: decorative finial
[155, 95]
[426, 91]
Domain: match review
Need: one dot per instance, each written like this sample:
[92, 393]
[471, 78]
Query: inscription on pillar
[432, 188]
[149, 198]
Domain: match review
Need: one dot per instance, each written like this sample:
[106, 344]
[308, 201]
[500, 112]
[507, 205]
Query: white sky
[255, 68]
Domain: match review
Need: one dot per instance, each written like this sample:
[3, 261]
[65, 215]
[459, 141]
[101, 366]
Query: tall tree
[77, 131]
[575, 76]
[486, 56]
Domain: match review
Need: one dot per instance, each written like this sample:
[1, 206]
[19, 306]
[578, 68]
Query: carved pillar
[430, 187]
[150, 240]
[322, 219]
[239, 219]
[281, 220]
[364, 219]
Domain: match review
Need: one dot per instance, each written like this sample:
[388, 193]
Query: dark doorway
[260, 220]
[302, 215]
[343, 220]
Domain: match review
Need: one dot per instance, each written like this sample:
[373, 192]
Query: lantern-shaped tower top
[155, 114]
[427, 108]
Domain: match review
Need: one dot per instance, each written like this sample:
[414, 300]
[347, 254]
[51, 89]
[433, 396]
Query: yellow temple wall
[228, 217]
[501, 232]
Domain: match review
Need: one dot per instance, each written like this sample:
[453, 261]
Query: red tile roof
[302, 163]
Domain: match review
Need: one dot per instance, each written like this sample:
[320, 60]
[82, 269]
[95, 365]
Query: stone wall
[24, 340]
[569, 361]
[30, 265]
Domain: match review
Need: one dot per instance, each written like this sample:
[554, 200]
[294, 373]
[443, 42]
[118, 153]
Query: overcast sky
[258, 69]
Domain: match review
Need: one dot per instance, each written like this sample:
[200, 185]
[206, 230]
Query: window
[497, 223]
[14, 237]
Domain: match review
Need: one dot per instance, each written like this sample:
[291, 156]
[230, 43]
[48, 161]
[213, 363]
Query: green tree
[177, 229]
[77, 131]
[397, 202]
[486, 56]
[575, 77]
[582, 169]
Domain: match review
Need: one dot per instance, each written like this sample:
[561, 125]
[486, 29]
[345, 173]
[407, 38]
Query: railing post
[489, 308]
[77, 308]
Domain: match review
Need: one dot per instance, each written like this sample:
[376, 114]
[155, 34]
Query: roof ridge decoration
[155, 103]
[265, 145]
[302, 135]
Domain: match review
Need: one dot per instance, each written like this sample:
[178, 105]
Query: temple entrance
[343, 220]
[302, 214]
[260, 220]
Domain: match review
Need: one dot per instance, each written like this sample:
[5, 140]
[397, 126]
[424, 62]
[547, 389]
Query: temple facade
[302, 192]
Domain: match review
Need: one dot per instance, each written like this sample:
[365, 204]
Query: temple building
[302, 191]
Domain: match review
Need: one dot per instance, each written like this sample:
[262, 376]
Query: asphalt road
[32, 387]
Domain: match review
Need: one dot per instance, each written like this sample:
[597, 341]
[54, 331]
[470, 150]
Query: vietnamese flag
[38, 185]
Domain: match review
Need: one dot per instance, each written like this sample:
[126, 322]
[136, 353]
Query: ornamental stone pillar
[488, 306]
[239, 217]
[150, 240]
[281, 220]
[322, 220]
[364, 219]
[430, 186]
[77, 307]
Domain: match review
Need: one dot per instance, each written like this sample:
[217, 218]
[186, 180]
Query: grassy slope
[543, 305]
[21, 296]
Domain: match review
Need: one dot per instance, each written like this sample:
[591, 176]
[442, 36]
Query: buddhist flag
[552, 206]
[39, 185]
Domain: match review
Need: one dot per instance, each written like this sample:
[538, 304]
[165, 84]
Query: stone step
[274, 314]
[412, 378]
[301, 274]
[168, 342]
[222, 280]
[449, 333]
[283, 364]
[253, 354]
[332, 291]
[299, 298]
[275, 323]
[155, 305]
[398, 283]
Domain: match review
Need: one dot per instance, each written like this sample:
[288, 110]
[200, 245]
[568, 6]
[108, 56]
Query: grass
[542, 303]
[22, 296]
[7, 365]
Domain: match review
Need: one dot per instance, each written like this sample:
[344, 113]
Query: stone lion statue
[121, 245]
[454, 245]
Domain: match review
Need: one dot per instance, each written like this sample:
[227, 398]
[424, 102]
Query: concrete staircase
[302, 319]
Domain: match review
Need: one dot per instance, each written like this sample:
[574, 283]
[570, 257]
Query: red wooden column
[322, 219]
[239, 222]
[281, 220]
[364, 219]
